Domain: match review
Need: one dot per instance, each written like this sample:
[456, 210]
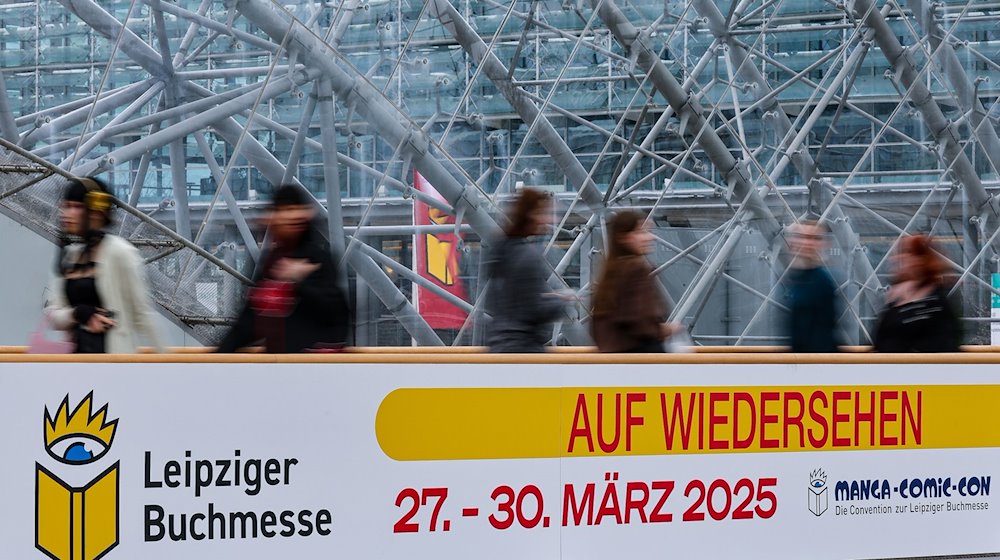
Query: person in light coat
[99, 294]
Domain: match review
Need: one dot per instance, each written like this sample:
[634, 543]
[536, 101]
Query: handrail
[470, 350]
[556, 350]
[582, 358]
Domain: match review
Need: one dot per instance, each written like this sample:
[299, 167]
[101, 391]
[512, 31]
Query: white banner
[489, 461]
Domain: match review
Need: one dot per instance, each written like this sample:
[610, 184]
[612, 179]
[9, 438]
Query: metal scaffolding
[724, 121]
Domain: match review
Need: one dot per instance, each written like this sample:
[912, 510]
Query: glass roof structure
[725, 121]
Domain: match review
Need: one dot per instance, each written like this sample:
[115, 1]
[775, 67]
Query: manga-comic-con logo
[76, 522]
[819, 493]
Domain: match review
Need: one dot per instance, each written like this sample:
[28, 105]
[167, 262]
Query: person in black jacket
[917, 316]
[295, 304]
[811, 293]
[521, 303]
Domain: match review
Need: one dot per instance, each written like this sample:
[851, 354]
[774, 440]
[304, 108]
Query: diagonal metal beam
[926, 15]
[109, 26]
[135, 194]
[412, 276]
[241, 224]
[380, 284]
[690, 112]
[498, 73]
[842, 100]
[209, 23]
[664, 118]
[355, 91]
[299, 141]
[331, 169]
[189, 35]
[197, 122]
[44, 115]
[162, 41]
[206, 100]
[94, 140]
[569, 115]
[538, 22]
[686, 254]
[386, 180]
[80, 115]
[943, 129]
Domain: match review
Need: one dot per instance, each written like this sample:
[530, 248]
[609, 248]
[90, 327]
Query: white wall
[27, 261]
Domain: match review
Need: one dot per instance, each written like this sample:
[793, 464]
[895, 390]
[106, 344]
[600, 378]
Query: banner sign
[437, 259]
[493, 461]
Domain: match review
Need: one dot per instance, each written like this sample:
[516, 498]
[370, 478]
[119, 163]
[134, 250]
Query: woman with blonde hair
[629, 309]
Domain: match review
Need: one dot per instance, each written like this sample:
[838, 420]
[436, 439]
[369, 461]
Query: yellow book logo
[440, 260]
[442, 263]
[77, 523]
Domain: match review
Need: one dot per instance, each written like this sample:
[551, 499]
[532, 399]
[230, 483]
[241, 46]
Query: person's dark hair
[96, 197]
[522, 217]
[94, 194]
[289, 195]
[621, 224]
[931, 266]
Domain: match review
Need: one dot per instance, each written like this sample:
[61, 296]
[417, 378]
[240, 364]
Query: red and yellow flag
[437, 259]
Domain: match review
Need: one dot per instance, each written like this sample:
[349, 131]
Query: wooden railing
[565, 355]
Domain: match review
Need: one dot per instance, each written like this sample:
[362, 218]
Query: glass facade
[717, 118]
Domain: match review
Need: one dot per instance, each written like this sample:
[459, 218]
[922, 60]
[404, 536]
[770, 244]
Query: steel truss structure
[723, 120]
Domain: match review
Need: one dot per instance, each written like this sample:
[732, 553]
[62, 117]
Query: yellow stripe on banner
[426, 424]
[519, 423]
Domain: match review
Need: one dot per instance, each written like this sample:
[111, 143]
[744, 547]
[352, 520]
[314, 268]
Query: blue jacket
[811, 296]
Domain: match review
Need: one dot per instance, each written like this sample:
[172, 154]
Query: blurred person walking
[295, 304]
[629, 310]
[99, 292]
[521, 303]
[810, 292]
[917, 316]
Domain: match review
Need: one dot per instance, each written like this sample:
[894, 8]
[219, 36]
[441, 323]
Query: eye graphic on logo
[817, 479]
[78, 449]
[79, 437]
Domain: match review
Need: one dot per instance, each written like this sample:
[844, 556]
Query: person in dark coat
[811, 293]
[917, 316]
[295, 304]
[521, 303]
[629, 310]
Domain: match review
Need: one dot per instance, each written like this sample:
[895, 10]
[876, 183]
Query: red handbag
[272, 298]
